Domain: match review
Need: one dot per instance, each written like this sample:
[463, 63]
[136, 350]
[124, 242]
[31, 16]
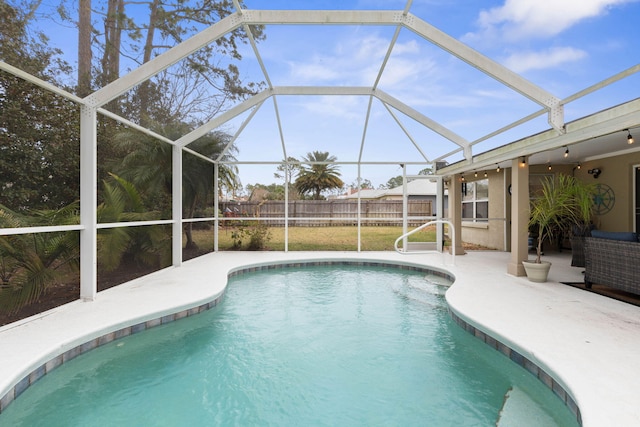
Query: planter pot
[537, 272]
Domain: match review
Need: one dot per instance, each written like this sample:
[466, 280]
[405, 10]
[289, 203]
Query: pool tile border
[74, 352]
[524, 362]
[107, 338]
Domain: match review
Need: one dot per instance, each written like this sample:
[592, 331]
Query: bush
[258, 234]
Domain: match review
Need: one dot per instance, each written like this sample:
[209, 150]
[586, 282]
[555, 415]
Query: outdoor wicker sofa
[613, 259]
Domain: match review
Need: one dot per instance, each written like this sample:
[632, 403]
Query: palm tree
[148, 245]
[318, 175]
[197, 181]
[30, 263]
[148, 166]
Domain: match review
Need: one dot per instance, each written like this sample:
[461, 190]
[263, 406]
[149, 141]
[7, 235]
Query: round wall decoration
[603, 199]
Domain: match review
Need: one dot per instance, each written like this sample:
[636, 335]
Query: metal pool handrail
[415, 230]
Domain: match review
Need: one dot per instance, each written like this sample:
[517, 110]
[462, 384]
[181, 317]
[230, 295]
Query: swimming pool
[311, 346]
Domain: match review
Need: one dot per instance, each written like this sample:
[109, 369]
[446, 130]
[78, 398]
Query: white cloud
[317, 70]
[348, 108]
[356, 61]
[524, 61]
[518, 19]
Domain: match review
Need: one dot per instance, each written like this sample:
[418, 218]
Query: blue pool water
[312, 346]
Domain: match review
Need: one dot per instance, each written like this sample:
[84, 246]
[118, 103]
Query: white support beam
[605, 122]
[88, 203]
[394, 39]
[424, 120]
[322, 17]
[481, 62]
[280, 131]
[406, 132]
[163, 61]
[223, 118]
[39, 82]
[135, 126]
[216, 206]
[364, 132]
[176, 205]
[323, 90]
[238, 132]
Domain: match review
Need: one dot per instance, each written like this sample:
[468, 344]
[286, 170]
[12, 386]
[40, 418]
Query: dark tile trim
[74, 352]
[524, 362]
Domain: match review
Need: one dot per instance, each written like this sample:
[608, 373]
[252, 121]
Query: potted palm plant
[584, 195]
[553, 209]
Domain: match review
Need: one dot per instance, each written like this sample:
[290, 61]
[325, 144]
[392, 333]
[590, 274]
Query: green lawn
[373, 238]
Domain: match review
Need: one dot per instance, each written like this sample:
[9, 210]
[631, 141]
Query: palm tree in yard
[148, 166]
[31, 263]
[318, 174]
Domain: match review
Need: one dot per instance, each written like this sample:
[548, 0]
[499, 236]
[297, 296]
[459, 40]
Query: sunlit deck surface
[588, 342]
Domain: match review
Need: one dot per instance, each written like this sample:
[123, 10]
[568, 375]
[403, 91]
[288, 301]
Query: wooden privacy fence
[317, 213]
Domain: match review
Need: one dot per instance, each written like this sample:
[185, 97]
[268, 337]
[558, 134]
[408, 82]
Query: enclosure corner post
[176, 205]
[88, 203]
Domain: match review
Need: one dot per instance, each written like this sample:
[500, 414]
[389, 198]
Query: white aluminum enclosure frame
[626, 115]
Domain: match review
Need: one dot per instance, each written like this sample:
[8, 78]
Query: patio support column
[176, 204]
[455, 211]
[216, 207]
[519, 217]
[88, 203]
[286, 206]
[440, 214]
[405, 208]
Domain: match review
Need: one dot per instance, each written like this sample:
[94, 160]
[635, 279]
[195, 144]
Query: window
[475, 201]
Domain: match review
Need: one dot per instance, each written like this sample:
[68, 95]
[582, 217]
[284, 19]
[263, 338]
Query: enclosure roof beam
[424, 120]
[382, 96]
[481, 62]
[163, 61]
[223, 118]
[239, 131]
[609, 121]
[406, 132]
[424, 30]
[39, 82]
[328, 91]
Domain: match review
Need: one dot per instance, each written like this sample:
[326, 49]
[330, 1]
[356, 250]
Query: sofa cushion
[626, 236]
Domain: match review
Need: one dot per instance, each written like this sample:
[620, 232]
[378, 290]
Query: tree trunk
[112, 36]
[188, 228]
[143, 91]
[84, 48]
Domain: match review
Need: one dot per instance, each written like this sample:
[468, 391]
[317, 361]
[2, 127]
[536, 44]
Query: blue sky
[563, 46]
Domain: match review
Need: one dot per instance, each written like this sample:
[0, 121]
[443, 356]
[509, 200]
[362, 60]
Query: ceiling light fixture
[629, 137]
[549, 167]
[579, 166]
[485, 174]
[566, 153]
[475, 174]
[498, 168]
[523, 162]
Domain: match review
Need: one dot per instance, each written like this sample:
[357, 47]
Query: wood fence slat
[330, 212]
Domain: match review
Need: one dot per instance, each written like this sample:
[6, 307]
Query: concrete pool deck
[587, 342]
